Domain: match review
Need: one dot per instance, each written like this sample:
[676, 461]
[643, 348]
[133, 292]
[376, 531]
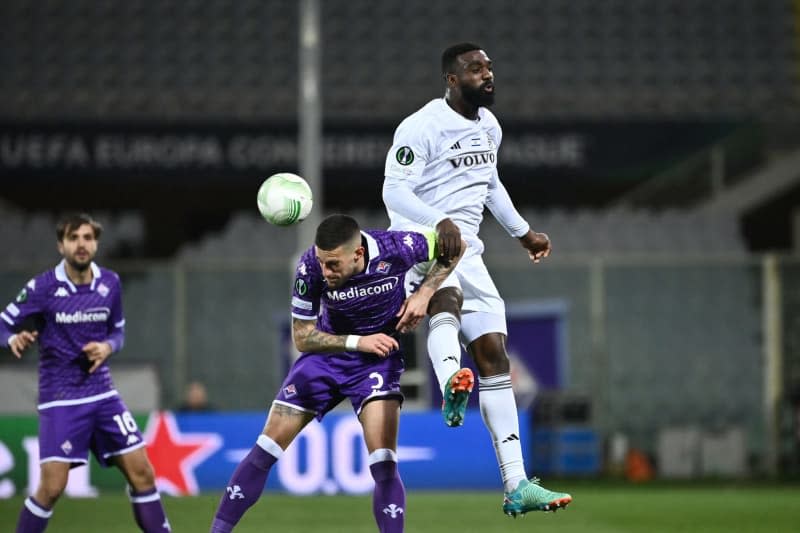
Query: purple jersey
[368, 302]
[68, 316]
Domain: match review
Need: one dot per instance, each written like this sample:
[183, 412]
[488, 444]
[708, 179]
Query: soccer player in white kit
[440, 172]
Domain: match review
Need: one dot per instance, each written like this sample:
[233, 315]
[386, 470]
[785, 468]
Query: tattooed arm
[439, 272]
[307, 338]
[416, 306]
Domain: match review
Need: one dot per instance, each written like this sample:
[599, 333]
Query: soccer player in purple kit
[348, 304]
[77, 307]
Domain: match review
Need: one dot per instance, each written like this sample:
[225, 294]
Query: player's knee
[49, 491]
[494, 366]
[146, 476]
[141, 476]
[489, 353]
[446, 300]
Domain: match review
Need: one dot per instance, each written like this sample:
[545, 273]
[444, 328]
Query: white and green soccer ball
[284, 199]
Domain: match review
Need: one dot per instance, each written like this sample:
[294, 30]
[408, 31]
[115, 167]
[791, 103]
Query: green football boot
[530, 496]
[456, 396]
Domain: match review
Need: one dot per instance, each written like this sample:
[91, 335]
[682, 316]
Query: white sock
[444, 348]
[269, 446]
[382, 454]
[499, 412]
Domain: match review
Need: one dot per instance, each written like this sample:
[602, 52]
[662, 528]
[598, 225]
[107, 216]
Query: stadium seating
[238, 58]
[27, 235]
[661, 342]
[625, 231]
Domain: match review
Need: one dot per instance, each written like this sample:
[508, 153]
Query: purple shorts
[317, 383]
[68, 432]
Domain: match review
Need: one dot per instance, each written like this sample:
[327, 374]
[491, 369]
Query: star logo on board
[175, 455]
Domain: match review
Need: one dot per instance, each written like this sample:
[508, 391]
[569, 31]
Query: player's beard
[80, 265]
[477, 96]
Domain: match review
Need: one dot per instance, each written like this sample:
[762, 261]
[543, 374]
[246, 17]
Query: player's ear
[451, 79]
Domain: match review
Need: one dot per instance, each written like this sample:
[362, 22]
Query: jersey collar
[443, 102]
[61, 275]
[372, 250]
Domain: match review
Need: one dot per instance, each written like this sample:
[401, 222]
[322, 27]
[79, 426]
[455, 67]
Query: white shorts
[484, 310]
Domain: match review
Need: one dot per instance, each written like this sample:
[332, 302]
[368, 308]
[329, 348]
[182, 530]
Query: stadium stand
[576, 232]
[26, 232]
[670, 340]
[237, 59]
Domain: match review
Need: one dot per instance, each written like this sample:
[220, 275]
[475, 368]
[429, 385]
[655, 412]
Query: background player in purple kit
[77, 308]
[348, 303]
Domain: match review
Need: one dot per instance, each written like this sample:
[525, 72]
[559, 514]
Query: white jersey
[449, 162]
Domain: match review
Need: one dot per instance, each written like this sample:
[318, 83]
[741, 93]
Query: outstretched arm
[399, 198]
[501, 206]
[307, 338]
[415, 307]
[499, 203]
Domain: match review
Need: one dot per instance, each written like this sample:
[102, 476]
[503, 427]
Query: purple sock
[33, 517]
[148, 511]
[245, 486]
[389, 497]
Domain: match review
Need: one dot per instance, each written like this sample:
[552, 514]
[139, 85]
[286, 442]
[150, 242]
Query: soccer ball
[284, 199]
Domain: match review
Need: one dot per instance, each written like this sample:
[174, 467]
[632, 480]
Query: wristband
[351, 342]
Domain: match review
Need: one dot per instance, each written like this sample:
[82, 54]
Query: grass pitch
[598, 508]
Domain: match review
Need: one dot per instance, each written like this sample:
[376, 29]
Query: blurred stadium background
[658, 143]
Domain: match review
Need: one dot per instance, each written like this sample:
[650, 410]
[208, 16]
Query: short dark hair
[451, 53]
[335, 231]
[73, 221]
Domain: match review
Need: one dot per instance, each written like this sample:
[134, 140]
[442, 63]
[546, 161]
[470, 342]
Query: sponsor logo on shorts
[66, 447]
[290, 390]
[132, 439]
